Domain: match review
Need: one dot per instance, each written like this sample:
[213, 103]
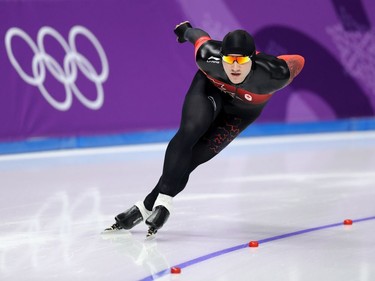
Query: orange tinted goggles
[239, 60]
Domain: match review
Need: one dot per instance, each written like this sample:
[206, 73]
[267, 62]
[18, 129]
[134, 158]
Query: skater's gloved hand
[180, 30]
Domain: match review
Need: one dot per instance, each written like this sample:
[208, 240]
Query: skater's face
[237, 67]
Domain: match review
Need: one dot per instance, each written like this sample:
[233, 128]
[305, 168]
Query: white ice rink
[289, 193]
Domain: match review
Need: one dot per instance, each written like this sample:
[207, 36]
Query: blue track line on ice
[242, 246]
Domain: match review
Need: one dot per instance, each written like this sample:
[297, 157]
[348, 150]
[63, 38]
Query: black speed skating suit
[215, 111]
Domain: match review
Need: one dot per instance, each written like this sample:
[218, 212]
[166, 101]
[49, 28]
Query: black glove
[180, 31]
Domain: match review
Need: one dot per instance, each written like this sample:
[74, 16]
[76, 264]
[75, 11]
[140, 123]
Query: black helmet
[238, 42]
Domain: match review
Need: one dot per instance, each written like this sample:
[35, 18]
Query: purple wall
[75, 68]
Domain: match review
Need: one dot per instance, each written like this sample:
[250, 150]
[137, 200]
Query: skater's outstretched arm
[185, 32]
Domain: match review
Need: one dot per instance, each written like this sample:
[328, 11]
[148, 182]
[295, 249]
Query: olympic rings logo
[66, 74]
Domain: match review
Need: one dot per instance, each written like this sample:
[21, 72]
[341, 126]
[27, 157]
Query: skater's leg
[199, 111]
[225, 129]
[220, 134]
[197, 116]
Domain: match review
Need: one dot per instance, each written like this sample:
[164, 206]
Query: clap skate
[114, 227]
[160, 214]
[157, 219]
[130, 218]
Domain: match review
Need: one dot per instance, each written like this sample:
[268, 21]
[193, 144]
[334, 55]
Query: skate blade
[115, 228]
[108, 231]
[151, 234]
[150, 237]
